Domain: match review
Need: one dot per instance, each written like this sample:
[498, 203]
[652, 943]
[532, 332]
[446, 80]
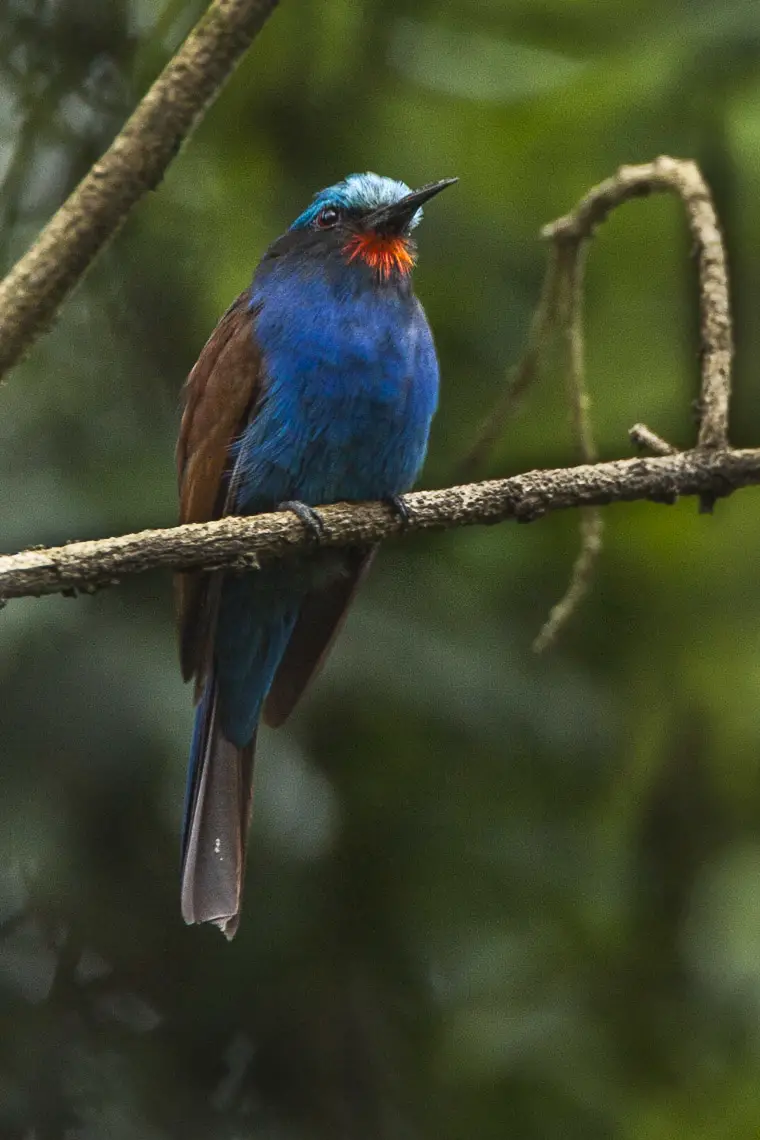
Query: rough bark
[135, 163]
[246, 543]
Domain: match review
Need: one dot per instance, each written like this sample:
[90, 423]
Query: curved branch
[683, 177]
[246, 543]
[561, 304]
[135, 163]
[572, 259]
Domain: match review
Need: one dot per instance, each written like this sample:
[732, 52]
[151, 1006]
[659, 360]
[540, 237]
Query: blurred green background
[489, 895]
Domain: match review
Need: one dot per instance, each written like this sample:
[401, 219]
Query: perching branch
[248, 542]
[135, 163]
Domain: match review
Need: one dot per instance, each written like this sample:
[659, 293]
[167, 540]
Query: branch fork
[561, 305]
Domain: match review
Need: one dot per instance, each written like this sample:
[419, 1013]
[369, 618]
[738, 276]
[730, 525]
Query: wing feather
[320, 620]
[219, 397]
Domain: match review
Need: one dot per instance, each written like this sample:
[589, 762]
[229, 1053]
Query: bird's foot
[308, 516]
[400, 508]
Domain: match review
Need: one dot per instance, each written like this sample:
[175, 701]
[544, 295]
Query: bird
[318, 385]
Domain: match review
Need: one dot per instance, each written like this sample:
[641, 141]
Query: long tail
[254, 622]
[269, 640]
[217, 812]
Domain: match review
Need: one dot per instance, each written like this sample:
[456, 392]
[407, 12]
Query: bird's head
[369, 220]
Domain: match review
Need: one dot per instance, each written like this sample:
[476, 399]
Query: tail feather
[270, 638]
[320, 618]
[216, 821]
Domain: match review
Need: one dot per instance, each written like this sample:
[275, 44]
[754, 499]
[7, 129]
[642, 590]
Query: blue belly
[351, 385]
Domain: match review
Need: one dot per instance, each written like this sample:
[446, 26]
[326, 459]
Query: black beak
[395, 218]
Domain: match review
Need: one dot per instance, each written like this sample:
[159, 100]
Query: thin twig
[135, 163]
[246, 543]
[684, 178]
[591, 533]
[571, 258]
[521, 376]
[648, 440]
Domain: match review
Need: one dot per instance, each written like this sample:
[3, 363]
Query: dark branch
[246, 543]
[135, 163]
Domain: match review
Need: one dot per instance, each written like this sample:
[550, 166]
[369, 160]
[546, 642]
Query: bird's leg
[307, 515]
[400, 508]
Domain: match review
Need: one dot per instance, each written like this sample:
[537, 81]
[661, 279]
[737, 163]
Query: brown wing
[319, 621]
[219, 395]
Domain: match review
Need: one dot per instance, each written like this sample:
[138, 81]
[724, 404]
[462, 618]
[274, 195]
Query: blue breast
[350, 387]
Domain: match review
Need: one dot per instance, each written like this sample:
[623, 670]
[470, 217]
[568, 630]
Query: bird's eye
[328, 217]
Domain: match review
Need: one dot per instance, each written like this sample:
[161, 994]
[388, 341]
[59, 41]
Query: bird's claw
[307, 515]
[400, 509]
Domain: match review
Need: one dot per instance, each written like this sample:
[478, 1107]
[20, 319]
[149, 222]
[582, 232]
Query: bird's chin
[388, 255]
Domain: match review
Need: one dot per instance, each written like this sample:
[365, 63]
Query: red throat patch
[381, 253]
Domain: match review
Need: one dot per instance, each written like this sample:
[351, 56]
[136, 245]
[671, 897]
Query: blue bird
[318, 385]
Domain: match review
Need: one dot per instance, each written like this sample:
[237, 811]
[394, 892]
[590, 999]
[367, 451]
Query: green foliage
[488, 895]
